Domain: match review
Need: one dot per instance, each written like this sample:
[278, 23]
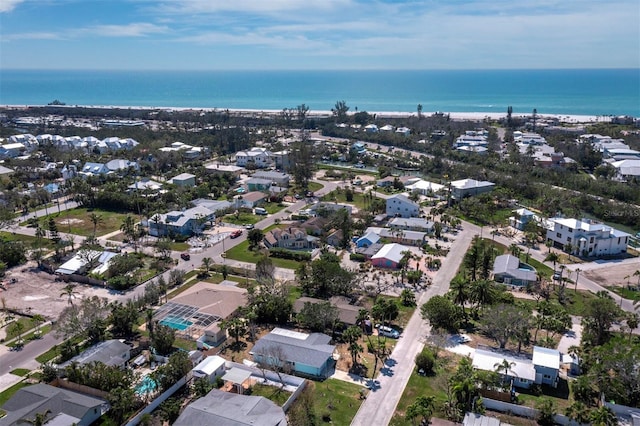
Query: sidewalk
[348, 377]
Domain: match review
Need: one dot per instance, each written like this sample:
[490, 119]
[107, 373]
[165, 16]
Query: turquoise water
[583, 92]
[176, 323]
[147, 385]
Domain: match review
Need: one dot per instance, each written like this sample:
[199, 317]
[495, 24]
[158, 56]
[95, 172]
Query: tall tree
[96, 220]
[340, 110]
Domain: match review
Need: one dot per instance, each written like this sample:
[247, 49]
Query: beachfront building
[586, 237]
[469, 187]
[627, 170]
[399, 205]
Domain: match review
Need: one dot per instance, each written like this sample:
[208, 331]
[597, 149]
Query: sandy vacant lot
[613, 274]
[39, 291]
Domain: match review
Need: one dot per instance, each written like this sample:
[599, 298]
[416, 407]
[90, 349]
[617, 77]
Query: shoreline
[459, 116]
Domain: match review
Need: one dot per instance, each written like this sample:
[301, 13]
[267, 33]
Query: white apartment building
[587, 237]
[260, 157]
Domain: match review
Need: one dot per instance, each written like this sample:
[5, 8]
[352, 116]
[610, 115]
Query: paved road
[25, 358]
[380, 405]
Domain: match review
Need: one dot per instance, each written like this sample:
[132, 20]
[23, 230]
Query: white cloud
[32, 36]
[135, 29]
[250, 6]
[9, 5]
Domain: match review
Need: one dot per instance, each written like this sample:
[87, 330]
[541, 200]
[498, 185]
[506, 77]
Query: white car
[461, 338]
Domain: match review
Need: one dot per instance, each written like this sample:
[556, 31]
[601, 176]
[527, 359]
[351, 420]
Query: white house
[371, 128]
[627, 169]
[94, 169]
[424, 187]
[586, 237]
[259, 157]
[467, 187]
[399, 205]
[11, 150]
[211, 367]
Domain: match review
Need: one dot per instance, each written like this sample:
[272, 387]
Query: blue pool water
[176, 323]
[147, 385]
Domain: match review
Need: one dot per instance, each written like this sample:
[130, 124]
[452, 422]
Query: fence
[522, 411]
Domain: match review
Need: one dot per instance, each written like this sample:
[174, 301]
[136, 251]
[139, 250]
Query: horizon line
[320, 69]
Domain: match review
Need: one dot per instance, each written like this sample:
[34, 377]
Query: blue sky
[319, 34]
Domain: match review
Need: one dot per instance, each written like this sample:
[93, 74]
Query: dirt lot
[613, 274]
[39, 291]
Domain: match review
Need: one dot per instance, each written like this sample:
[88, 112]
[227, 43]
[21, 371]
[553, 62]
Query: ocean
[570, 92]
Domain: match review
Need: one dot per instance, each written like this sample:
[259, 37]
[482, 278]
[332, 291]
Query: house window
[570, 229]
[546, 376]
[558, 235]
[568, 239]
[591, 240]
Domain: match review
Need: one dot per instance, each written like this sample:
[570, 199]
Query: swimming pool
[176, 323]
[147, 385]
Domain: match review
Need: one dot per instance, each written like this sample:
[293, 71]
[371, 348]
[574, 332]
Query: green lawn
[77, 221]
[576, 301]
[22, 372]
[32, 335]
[26, 239]
[625, 292]
[242, 253]
[340, 197]
[541, 268]
[340, 400]
[243, 218]
[272, 208]
[273, 393]
[179, 246]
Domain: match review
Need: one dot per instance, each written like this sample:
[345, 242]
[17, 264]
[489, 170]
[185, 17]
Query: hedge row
[302, 256]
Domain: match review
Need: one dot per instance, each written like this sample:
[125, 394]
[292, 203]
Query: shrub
[357, 257]
[290, 254]
[425, 361]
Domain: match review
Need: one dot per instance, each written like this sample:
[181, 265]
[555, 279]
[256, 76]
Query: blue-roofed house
[367, 239]
[509, 270]
[308, 355]
[521, 217]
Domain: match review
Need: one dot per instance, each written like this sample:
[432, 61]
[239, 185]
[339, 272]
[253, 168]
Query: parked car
[236, 234]
[388, 332]
[185, 256]
[249, 226]
[260, 211]
[461, 338]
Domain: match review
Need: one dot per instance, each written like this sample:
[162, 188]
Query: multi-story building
[586, 237]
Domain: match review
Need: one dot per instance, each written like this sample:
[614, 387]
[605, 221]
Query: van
[260, 211]
[388, 332]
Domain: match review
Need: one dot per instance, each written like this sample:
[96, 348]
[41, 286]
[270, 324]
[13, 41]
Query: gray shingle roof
[312, 350]
[510, 265]
[228, 409]
[108, 352]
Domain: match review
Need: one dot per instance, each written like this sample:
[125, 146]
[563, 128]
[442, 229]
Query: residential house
[277, 178]
[387, 128]
[403, 236]
[473, 149]
[69, 171]
[224, 169]
[308, 355]
[586, 237]
[326, 209]
[521, 217]
[627, 169]
[184, 222]
[146, 186]
[347, 313]
[281, 160]
[231, 409]
[65, 407]
[251, 199]
[197, 312]
[335, 238]
[509, 270]
[360, 147]
[399, 205]
[371, 128]
[11, 150]
[122, 165]
[210, 368]
[411, 224]
[389, 256]
[184, 180]
[291, 238]
[258, 184]
[85, 259]
[546, 362]
[369, 251]
[469, 187]
[404, 131]
[5, 170]
[113, 353]
[94, 169]
[424, 187]
[257, 157]
[215, 206]
[367, 239]
[315, 225]
[386, 182]
[619, 154]
[543, 368]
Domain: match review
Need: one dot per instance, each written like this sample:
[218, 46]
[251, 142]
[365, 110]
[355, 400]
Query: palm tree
[354, 349]
[637, 274]
[37, 320]
[577, 271]
[206, 262]
[504, 366]
[96, 219]
[552, 257]
[17, 328]
[515, 250]
[549, 244]
[69, 291]
[128, 228]
[603, 416]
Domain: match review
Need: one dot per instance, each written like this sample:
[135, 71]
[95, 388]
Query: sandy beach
[563, 118]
